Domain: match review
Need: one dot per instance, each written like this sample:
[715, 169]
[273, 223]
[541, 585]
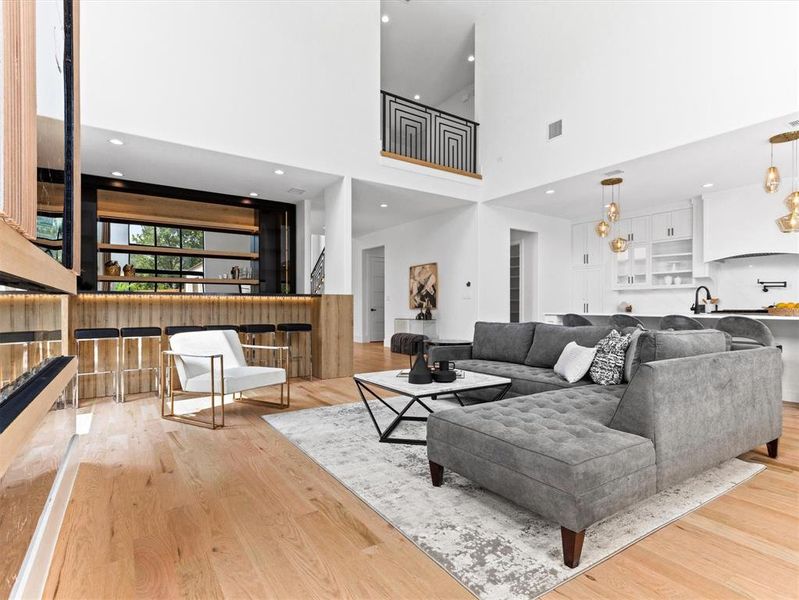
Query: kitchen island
[784, 328]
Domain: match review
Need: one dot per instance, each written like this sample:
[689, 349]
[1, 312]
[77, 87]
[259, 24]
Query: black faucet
[697, 308]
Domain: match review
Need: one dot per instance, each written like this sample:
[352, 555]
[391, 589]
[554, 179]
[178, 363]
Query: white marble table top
[388, 380]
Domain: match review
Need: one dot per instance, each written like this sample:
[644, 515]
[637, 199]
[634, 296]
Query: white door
[593, 290]
[376, 298]
[681, 223]
[593, 245]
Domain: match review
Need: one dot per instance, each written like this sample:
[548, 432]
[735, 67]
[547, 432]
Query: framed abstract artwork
[423, 285]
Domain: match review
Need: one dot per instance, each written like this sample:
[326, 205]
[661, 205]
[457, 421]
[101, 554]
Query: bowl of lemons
[785, 309]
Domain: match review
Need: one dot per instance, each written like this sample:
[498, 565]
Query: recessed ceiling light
[117, 173]
[116, 141]
[385, 19]
[550, 192]
[279, 171]
[384, 205]
[417, 97]
[708, 185]
[471, 58]
[254, 194]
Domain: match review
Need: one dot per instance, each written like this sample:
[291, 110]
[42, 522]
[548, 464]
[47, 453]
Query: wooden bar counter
[329, 315]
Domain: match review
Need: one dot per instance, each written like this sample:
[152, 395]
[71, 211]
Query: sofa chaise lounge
[578, 453]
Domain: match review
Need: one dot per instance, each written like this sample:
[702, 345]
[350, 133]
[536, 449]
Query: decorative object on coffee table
[423, 284]
[392, 381]
[420, 373]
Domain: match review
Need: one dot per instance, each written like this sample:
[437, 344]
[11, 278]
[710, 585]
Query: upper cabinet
[672, 225]
[586, 246]
[742, 221]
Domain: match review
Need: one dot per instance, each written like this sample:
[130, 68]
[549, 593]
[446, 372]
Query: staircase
[318, 275]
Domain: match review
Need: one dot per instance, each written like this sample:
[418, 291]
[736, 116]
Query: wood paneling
[330, 316]
[18, 208]
[172, 211]
[21, 259]
[332, 340]
[125, 249]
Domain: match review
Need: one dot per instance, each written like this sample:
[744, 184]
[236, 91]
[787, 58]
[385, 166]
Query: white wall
[461, 103]
[447, 239]
[297, 83]
[553, 260]
[338, 237]
[627, 78]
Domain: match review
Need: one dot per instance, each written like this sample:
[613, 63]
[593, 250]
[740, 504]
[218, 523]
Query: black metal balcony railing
[426, 134]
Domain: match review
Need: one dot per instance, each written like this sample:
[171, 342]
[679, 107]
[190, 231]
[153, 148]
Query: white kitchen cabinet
[631, 268]
[672, 225]
[639, 230]
[586, 246]
[587, 290]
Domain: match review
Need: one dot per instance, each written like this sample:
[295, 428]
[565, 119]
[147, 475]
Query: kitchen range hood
[741, 223]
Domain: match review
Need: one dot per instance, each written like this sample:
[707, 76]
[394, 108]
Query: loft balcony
[423, 135]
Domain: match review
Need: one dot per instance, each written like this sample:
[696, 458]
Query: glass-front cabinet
[631, 267]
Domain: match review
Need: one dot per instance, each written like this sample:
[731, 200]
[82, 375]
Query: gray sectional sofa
[578, 453]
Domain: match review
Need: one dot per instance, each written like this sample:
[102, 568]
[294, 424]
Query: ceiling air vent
[794, 123]
[614, 172]
[297, 191]
[556, 129]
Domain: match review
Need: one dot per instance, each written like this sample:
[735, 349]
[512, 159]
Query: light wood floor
[163, 510]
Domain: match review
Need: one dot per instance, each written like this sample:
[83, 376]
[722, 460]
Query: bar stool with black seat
[679, 323]
[173, 329]
[575, 320]
[622, 321]
[138, 335]
[251, 331]
[44, 341]
[20, 341]
[298, 328]
[95, 336]
[221, 328]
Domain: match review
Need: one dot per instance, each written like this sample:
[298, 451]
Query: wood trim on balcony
[423, 163]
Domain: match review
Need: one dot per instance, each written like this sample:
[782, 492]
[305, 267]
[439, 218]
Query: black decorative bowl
[444, 376]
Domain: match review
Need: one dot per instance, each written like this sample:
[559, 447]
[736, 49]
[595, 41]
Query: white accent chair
[213, 362]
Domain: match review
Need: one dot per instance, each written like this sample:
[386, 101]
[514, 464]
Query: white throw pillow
[574, 362]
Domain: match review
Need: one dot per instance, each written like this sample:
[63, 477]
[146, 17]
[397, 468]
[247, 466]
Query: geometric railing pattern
[424, 133]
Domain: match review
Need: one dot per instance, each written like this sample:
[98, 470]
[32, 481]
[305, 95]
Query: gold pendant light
[772, 182]
[603, 227]
[790, 222]
[618, 244]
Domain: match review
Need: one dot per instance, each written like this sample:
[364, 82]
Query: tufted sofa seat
[552, 453]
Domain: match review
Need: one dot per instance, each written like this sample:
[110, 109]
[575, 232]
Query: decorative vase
[420, 373]
[111, 268]
[129, 271]
[235, 272]
[428, 315]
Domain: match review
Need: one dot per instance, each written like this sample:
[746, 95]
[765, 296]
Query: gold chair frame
[168, 391]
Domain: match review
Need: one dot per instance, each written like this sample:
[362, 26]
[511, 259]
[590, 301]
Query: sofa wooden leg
[773, 447]
[436, 474]
[572, 546]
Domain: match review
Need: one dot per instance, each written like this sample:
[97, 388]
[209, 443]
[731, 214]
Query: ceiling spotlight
[384, 205]
[116, 141]
[707, 185]
[417, 97]
[254, 194]
[550, 192]
[471, 58]
[117, 174]
[385, 19]
[279, 171]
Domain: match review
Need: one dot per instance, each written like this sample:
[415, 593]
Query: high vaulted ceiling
[425, 47]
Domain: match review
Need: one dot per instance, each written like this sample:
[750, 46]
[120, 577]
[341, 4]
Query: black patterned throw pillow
[608, 365]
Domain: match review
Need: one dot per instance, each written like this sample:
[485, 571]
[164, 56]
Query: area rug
[493, 547]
